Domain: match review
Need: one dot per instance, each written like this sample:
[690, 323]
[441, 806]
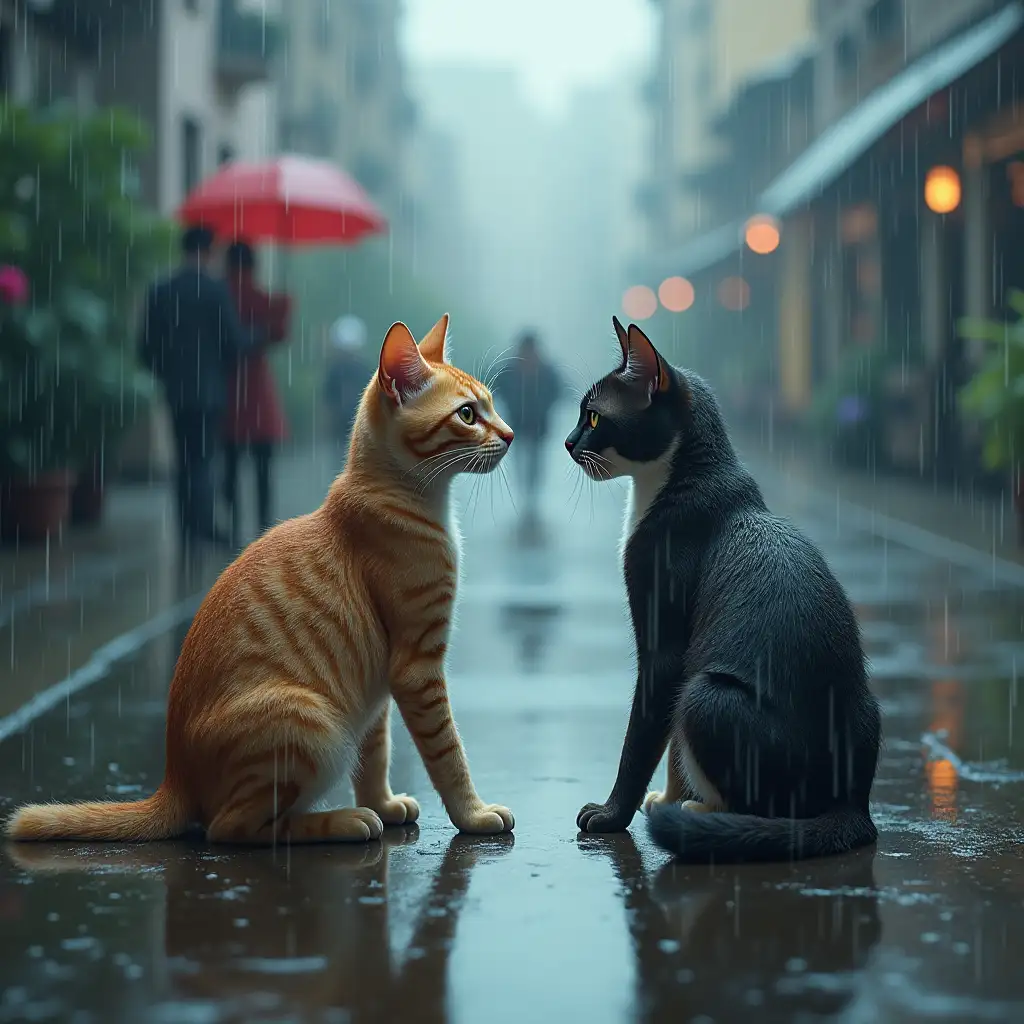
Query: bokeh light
[639, 302]
[942, 190]
[734, 293]
[676, 294]
[762, 234]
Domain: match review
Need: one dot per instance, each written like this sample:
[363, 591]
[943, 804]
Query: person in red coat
[255, 421]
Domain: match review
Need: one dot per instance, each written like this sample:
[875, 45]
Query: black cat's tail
[721, 838]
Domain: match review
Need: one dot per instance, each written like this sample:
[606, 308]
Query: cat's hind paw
[656, 796]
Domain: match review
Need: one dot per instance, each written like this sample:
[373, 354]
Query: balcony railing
[246, 45]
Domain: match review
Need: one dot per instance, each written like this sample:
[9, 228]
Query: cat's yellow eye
[594, 417]
[467, 414]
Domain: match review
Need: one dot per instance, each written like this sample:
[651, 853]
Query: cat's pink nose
[568, 446]
[507, 436]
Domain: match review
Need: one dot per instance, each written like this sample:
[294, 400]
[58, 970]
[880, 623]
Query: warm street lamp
[676, 294]
[942, 190]
[639, 302]
[762, 234]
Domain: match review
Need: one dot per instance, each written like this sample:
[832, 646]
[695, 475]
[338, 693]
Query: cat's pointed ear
[620, 333]
[402, 371]
[643, 363]
[434, 347]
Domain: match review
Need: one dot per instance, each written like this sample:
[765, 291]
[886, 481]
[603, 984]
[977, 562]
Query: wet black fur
[746, 644]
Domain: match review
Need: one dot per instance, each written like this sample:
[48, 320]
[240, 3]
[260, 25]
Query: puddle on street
[926, 926]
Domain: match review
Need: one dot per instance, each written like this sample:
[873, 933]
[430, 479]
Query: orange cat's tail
[161, 816]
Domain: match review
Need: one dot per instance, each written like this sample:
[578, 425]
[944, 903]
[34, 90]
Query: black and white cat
[749, 659]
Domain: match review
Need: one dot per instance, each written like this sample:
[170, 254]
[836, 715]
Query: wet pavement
[545, 924]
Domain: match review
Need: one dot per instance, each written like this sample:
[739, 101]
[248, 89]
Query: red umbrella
[291, 199]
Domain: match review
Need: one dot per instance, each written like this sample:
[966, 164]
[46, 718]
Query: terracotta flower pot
[32, 509]
[87, 497]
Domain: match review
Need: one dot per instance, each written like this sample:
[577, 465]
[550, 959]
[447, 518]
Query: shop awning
[702, 252]
[838, 147]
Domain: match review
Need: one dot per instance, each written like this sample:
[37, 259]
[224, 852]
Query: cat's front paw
[603, 818]
[485, 820]
[400, 809]
[656, 797]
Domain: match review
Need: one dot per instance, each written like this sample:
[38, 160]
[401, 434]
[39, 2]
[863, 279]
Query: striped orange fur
[285, 679]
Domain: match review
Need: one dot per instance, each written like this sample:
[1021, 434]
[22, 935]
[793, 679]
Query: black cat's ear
[620, 333]
[643, 363]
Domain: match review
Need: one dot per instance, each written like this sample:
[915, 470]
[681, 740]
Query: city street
[543, 925]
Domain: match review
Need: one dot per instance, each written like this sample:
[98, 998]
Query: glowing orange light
[639, 302]
[762, 234]
[734, 293]
[676, 294]
[942, 190]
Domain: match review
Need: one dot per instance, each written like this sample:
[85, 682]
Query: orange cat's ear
[402, 371]
[620, 333]
[434, 347]
[643, 363]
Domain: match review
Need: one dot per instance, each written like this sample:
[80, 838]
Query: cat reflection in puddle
[788, 939]
[294, 929]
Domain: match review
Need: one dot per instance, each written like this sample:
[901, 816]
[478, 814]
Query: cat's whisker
[489, 382]
[508, 488]
[459, 455]
[486, 374]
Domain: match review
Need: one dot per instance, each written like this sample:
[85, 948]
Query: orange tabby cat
[285, 679]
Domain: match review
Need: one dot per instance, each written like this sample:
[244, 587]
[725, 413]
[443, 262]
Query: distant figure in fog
[189, 338]
[255, 421]
[529, 387]
[348, 373]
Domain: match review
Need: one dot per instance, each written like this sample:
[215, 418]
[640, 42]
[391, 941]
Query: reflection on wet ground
[430, 926]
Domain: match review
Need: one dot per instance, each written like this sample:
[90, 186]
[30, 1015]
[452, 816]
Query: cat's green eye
[594, 417]
[467, 414]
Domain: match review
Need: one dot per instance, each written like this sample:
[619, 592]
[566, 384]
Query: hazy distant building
[439, 246]
[506, 153]
[705, 49]
[343, 96]
[595, 227]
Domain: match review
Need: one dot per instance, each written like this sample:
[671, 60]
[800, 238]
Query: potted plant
[995, 394]
[67, 357]
[36, 473]
[847, 412]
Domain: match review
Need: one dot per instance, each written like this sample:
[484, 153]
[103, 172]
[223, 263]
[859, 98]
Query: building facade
[705, 50]
[198, 72]
[343, 96]
[897, 210]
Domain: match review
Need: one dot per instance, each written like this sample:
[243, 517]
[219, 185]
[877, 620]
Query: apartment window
[191, 153]
[885, 19]
[846, 55]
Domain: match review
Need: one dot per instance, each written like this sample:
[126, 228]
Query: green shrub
[69, 382]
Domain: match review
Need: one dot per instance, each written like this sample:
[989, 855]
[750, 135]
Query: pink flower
[13, 286]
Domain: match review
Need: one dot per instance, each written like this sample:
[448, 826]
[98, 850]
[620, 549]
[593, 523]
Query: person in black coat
[529, 387]
[190, 337]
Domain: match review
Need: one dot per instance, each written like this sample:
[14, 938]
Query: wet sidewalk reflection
[428, 926]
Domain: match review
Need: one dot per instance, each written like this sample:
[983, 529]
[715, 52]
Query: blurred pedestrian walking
[348, 373]
[189, 336]
[529, 387]
[255, 420]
